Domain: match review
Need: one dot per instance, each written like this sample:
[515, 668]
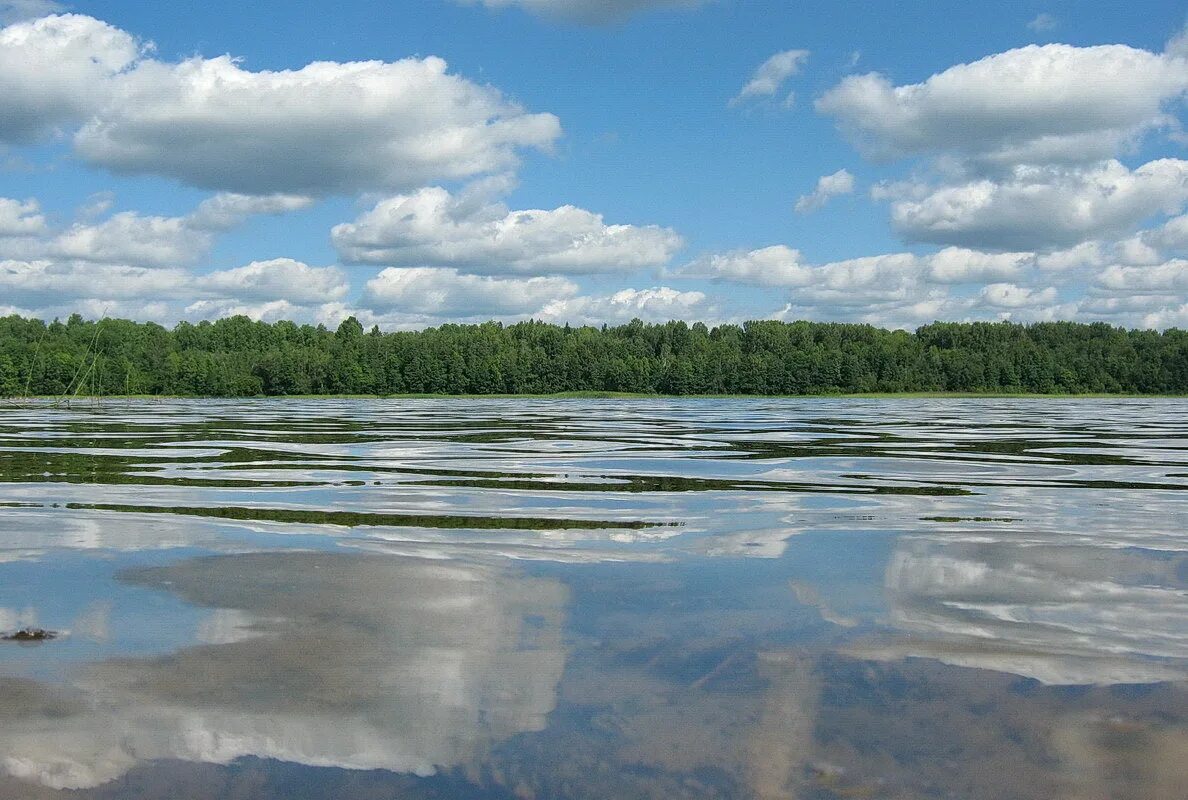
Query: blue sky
[594, 160]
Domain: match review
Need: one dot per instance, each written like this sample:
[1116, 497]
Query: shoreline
[598, 395]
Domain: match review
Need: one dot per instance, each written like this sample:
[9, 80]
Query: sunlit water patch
[815, 598]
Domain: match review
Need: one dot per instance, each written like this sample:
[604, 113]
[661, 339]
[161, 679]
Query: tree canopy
[239, 357]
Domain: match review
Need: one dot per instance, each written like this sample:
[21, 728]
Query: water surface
[816, 598]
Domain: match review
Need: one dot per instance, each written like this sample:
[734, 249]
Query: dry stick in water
[33, 363]
[87, 352]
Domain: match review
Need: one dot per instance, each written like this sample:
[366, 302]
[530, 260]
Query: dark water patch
[670, 483]
[351, 519]
[29, 635]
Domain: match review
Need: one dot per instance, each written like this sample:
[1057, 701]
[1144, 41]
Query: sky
[593, 161]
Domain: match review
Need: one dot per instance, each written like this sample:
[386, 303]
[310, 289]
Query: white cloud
[161, 294]
[960, 265]
[1169, 276]
[57, 70]
[1085, 283]
[658, 304]
[1136, 250]
[896, 313]
[264, 311]
[587, 11]
[20, 218]
[130, 238]
[1035, 104]
[1043, 22]
[1044, 207]
[445, 292]
[325, 128]
[1008, 295]
[771, 75]
[432, 227]
[278, 278]
[1086, 254]
[226, 209]
[909, 289]
[1172, 317]
[1171, 236]
[96, 205]
[860, 281]
[1177, 46]
[780, 265]
[828, 187]
[43, 283]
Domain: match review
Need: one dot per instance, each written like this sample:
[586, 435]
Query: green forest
[237, 357]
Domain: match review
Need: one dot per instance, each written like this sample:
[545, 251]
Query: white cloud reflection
[318, 659]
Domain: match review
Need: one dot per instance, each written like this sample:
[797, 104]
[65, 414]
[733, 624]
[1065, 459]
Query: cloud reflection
[312, 658]
[1061, 615]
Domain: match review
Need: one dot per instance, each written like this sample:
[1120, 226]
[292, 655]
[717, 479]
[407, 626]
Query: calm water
[538, 599]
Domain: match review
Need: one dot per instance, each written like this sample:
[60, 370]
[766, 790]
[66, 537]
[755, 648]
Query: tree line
[239, 357]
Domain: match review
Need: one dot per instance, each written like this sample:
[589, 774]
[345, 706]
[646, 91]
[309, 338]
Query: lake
[803, 598]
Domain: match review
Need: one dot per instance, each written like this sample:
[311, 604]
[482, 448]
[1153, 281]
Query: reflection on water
[315, 658]
[533, 599]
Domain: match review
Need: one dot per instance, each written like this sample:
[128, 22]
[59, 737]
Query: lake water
[817, 598]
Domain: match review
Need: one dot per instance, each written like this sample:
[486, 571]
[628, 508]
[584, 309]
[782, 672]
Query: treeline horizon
[239, 357]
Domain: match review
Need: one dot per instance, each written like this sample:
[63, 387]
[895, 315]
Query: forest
[239, 357]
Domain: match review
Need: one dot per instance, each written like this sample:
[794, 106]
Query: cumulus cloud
[1088, 282]
[828, 187]
[432, 227]
[1177, 46]
[33, 284]
[587, 11]
[227, 209]
[20, 217]
[894, 313]
[446, 292]
[1008, 295]
[771, 75]
[162, 293]
[1035, 104]
[131, 238]
[909, 289]
[1169, 276]
[326, 128]
[1149, 246]
[780, 265]
[277, 278]
[1169, 317]
[1086, 254]
[57, 70]
[658, 304]
[263, 311]
[1044, 207]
